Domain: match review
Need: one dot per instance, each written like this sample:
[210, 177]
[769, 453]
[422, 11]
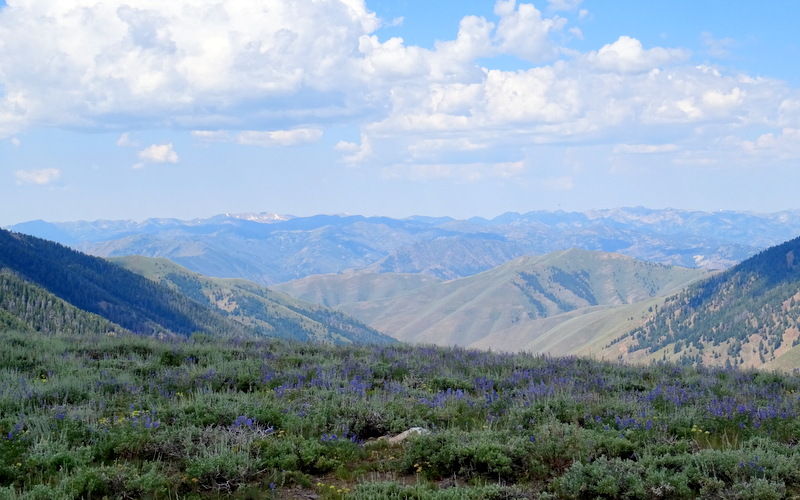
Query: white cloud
[279, 137]
[159, 153]
[784, 145]
[40, 177]
[357, 153]
[523, 32]
[110, 62]
[201, 63]
[627, 55]
[275, 72]
[125, 141]
[264, 138]
[569, 102]
[387, 64]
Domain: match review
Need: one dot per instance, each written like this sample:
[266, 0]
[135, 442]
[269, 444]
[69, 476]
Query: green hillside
[27, 307]
[98, 287]
[746, 316]
[510, 307]
[357, 286]
[265, 311]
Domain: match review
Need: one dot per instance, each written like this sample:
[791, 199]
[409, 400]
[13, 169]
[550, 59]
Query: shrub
[602, 478]
[486, 453]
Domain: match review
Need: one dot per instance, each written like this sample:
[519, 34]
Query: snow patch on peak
[263, 217]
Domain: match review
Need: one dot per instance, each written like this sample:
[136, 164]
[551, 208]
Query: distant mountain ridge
[269, 248]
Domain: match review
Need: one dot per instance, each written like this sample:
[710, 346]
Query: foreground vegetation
[127, 416]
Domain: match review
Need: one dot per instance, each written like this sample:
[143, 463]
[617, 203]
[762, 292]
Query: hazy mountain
[265, 311]
[269, 248]
[514, 306]
[748, 316]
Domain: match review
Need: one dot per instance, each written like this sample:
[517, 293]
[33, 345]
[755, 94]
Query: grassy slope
[490, 310]
[583, 332]
[351, 287]
[268, 312]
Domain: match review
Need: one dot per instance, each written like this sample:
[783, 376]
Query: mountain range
[268, 248]
[430, 280]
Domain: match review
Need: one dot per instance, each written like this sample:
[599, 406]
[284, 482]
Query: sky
[120, 109]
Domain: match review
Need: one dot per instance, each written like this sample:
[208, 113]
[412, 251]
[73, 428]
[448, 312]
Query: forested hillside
[747, 315]
[95, 286]
[25, 306]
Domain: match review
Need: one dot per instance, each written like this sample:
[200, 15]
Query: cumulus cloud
[570, 101]
[221, 63]
[355, 153]
[523, 31]
[627, 55]
[110, 61]
[783, 145]
[275, 73]
[159, 153]
[39, 177]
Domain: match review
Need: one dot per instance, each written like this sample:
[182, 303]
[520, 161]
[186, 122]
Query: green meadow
[99, 416]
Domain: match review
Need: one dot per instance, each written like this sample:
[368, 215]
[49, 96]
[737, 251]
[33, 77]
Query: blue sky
[130, 110]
